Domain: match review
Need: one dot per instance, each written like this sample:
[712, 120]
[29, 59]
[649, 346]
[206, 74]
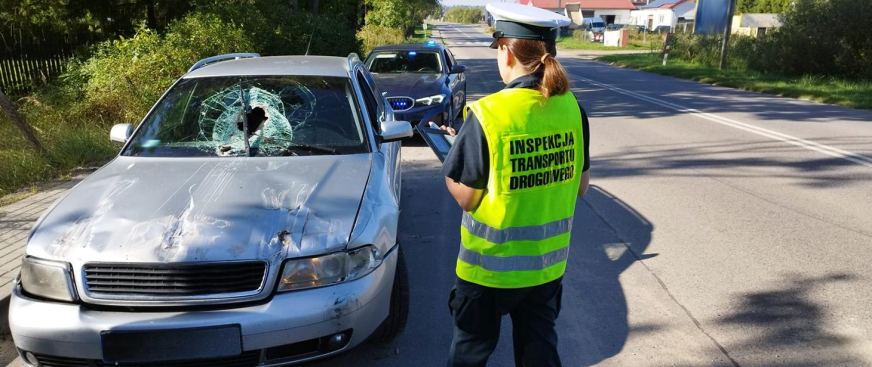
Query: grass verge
[854, 94]
[67, 149]
[573, 43]
[421, 35]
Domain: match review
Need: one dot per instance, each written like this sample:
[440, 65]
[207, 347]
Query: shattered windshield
[258, 116]
[405, 62]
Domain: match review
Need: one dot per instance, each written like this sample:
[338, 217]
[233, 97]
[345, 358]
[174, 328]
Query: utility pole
[725, 47]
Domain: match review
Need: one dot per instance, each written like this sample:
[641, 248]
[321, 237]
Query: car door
[379, 111]
[457, 84]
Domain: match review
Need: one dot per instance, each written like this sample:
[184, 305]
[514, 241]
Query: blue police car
[422, 82]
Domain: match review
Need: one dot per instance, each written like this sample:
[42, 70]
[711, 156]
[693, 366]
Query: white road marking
[807, 144]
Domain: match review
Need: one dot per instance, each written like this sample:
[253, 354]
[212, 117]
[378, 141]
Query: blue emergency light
[412, 53]
[431, 43]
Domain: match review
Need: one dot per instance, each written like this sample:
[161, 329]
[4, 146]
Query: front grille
[246, 359]
[174, 280]
[52, 361]
[400, 104]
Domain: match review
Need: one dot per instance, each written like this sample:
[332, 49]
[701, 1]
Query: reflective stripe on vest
[528, 233]
[518, 236]
[513, 263]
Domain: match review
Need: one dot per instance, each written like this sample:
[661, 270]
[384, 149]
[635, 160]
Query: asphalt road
[723, 228]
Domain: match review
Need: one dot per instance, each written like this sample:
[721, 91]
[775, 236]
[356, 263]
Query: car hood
[410, 84]
[205, 209]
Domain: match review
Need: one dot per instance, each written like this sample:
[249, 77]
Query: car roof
[276, 65]
[409, 47]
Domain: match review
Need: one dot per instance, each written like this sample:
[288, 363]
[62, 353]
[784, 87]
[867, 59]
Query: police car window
[370, 102]
[278, 115]
[448, 60]
[405, 62]
[451, 60]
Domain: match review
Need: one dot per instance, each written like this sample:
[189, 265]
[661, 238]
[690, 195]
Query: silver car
[250, 220]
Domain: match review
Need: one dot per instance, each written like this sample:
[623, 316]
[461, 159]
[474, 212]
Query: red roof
[583, 4]
[670, 6]
[546, 4]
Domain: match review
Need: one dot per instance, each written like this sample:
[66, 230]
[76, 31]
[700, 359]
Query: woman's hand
[449, 130]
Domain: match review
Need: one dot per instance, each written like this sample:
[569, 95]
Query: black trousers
[477, 311]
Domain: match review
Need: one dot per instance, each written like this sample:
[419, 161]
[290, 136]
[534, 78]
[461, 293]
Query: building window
[661, 18]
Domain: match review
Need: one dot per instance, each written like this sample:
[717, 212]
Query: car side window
[449, 60]
[371, 103]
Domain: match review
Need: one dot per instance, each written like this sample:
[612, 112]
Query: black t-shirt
[468, 161]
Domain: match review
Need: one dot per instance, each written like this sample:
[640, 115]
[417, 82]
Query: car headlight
[329, 269]
[47, 279]
[431, 100]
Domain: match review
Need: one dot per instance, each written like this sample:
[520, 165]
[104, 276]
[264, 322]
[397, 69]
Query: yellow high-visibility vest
[519, 235]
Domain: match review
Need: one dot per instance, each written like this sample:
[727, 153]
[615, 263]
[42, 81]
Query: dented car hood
[206, 209]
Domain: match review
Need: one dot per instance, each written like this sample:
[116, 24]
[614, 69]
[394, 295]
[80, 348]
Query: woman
[516, 169]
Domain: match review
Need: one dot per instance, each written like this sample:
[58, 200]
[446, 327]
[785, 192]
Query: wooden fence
[26, 63]
[20, 75]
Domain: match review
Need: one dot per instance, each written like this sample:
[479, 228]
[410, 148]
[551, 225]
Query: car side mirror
[457, 69]
[120, 133]
[395, 130]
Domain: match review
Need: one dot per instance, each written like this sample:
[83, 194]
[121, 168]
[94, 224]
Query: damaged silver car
[250, 220]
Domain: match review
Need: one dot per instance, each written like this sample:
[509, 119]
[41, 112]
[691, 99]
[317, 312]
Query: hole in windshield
[253, 116]
[405, 62]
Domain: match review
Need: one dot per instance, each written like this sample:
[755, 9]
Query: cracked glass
[276, 115]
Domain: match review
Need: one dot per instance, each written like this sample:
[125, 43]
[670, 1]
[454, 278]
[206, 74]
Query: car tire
[399, 307]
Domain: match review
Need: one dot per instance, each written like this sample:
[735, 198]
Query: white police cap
[526, 22]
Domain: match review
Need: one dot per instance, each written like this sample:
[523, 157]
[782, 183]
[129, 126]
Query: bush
[125, 77]
[464, 15]
[818, 37]
[373, 36]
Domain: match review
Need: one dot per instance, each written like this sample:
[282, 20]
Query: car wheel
[399, 308]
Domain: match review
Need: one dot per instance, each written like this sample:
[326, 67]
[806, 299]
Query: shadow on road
[593, 323]
[731, 159]
[789, 326]
[608, 236]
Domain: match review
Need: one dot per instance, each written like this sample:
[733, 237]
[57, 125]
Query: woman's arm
[467, 197]
[585, 181]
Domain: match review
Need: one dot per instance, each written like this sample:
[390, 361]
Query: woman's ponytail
[555, 80]
[538, 57]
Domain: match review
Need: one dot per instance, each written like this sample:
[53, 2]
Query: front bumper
[73, 331]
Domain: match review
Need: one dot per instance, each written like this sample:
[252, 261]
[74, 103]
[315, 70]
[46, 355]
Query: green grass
[854, 94]
[420, 35]
[68, 145]
[573, 43]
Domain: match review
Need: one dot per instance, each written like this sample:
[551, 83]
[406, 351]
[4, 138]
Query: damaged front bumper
[291, 327]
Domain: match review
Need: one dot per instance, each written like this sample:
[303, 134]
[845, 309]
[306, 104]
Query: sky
[467, 2]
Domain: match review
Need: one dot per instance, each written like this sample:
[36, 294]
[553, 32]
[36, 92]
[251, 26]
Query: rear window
[279, 116]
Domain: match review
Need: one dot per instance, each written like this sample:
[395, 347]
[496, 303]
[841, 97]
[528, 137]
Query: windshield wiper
[309, 148]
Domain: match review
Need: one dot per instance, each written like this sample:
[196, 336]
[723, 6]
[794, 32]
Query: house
[661, 14]
[550, 5]
[611, 11]
[755, 25]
